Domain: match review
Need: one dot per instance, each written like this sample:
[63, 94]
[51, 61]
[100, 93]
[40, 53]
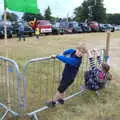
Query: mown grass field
[87, 106]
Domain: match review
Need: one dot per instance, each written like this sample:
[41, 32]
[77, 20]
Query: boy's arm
[70, 61]
[66, 52]
[69, 51]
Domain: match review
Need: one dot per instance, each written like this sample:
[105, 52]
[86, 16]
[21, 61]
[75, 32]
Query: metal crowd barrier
[27, 92]
[10, 98]
[43, 76]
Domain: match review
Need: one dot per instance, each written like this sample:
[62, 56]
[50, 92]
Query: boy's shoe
[51, 104]
[61, 101]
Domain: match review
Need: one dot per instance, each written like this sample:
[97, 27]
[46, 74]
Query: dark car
[102, 27]
[9, 32]
[85, 27]
[56, 29]
[106, 27]
[74, 27]
[71, 27]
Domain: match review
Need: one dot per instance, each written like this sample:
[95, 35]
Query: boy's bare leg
[59, 96]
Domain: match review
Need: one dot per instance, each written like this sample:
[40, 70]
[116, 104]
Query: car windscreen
[44, 23]
[74, 24]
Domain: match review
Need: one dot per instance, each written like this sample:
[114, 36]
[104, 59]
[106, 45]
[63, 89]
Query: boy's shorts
[64, 84]
[68, 77]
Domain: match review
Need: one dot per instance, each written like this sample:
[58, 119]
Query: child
[96, 77]
[72, 59]
[37, 32]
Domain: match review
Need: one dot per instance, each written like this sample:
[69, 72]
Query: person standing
[21, 31]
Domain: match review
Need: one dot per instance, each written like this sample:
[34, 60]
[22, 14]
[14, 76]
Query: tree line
[89, 10]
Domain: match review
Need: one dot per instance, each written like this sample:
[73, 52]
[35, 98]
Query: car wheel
[10, 36]
[2, 37]
[61, 33]
[73, 31]
[30, 34]
[113, 30]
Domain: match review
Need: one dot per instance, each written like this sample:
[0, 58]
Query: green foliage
[91, 10]
[99, 12]
[11, 16]
[113, 18]
[82, 12]
[30, 16]
[47, 14]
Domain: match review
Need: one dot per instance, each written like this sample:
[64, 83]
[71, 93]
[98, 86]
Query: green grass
[85, 107]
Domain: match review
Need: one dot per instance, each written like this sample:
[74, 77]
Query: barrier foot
[33, 114]
[5, 114]
[7, 110]
[34, 117]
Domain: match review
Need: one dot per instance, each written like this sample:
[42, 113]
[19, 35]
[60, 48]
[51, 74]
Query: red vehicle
[94, 26]
[44, 25]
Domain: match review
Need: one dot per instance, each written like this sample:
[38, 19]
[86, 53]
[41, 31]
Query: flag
[27, 6]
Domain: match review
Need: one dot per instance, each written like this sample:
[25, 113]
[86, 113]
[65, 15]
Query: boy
[72, 59]
[96, 77]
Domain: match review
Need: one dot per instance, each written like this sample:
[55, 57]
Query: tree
[92, 10]
[98, 11]
[30, 16]
[47, 14]
[113, 19]
[10, 16]
[82, 12]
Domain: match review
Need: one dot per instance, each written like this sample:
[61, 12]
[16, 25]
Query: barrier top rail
[35, 60]
[11, 61]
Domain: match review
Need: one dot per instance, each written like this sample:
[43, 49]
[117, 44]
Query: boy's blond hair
[82, 48]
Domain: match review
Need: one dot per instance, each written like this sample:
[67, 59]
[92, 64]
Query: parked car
[9, 32]
[109, 27]
[94, 26]
[56, 29]
[102, 27]
[117, 27]
[74, 27]
[105, 27]
[85, 27]
[71, 27]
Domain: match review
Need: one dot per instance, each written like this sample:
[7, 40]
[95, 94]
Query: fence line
[10, 89]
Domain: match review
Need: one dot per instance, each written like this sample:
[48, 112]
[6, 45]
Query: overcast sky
[63, 8]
